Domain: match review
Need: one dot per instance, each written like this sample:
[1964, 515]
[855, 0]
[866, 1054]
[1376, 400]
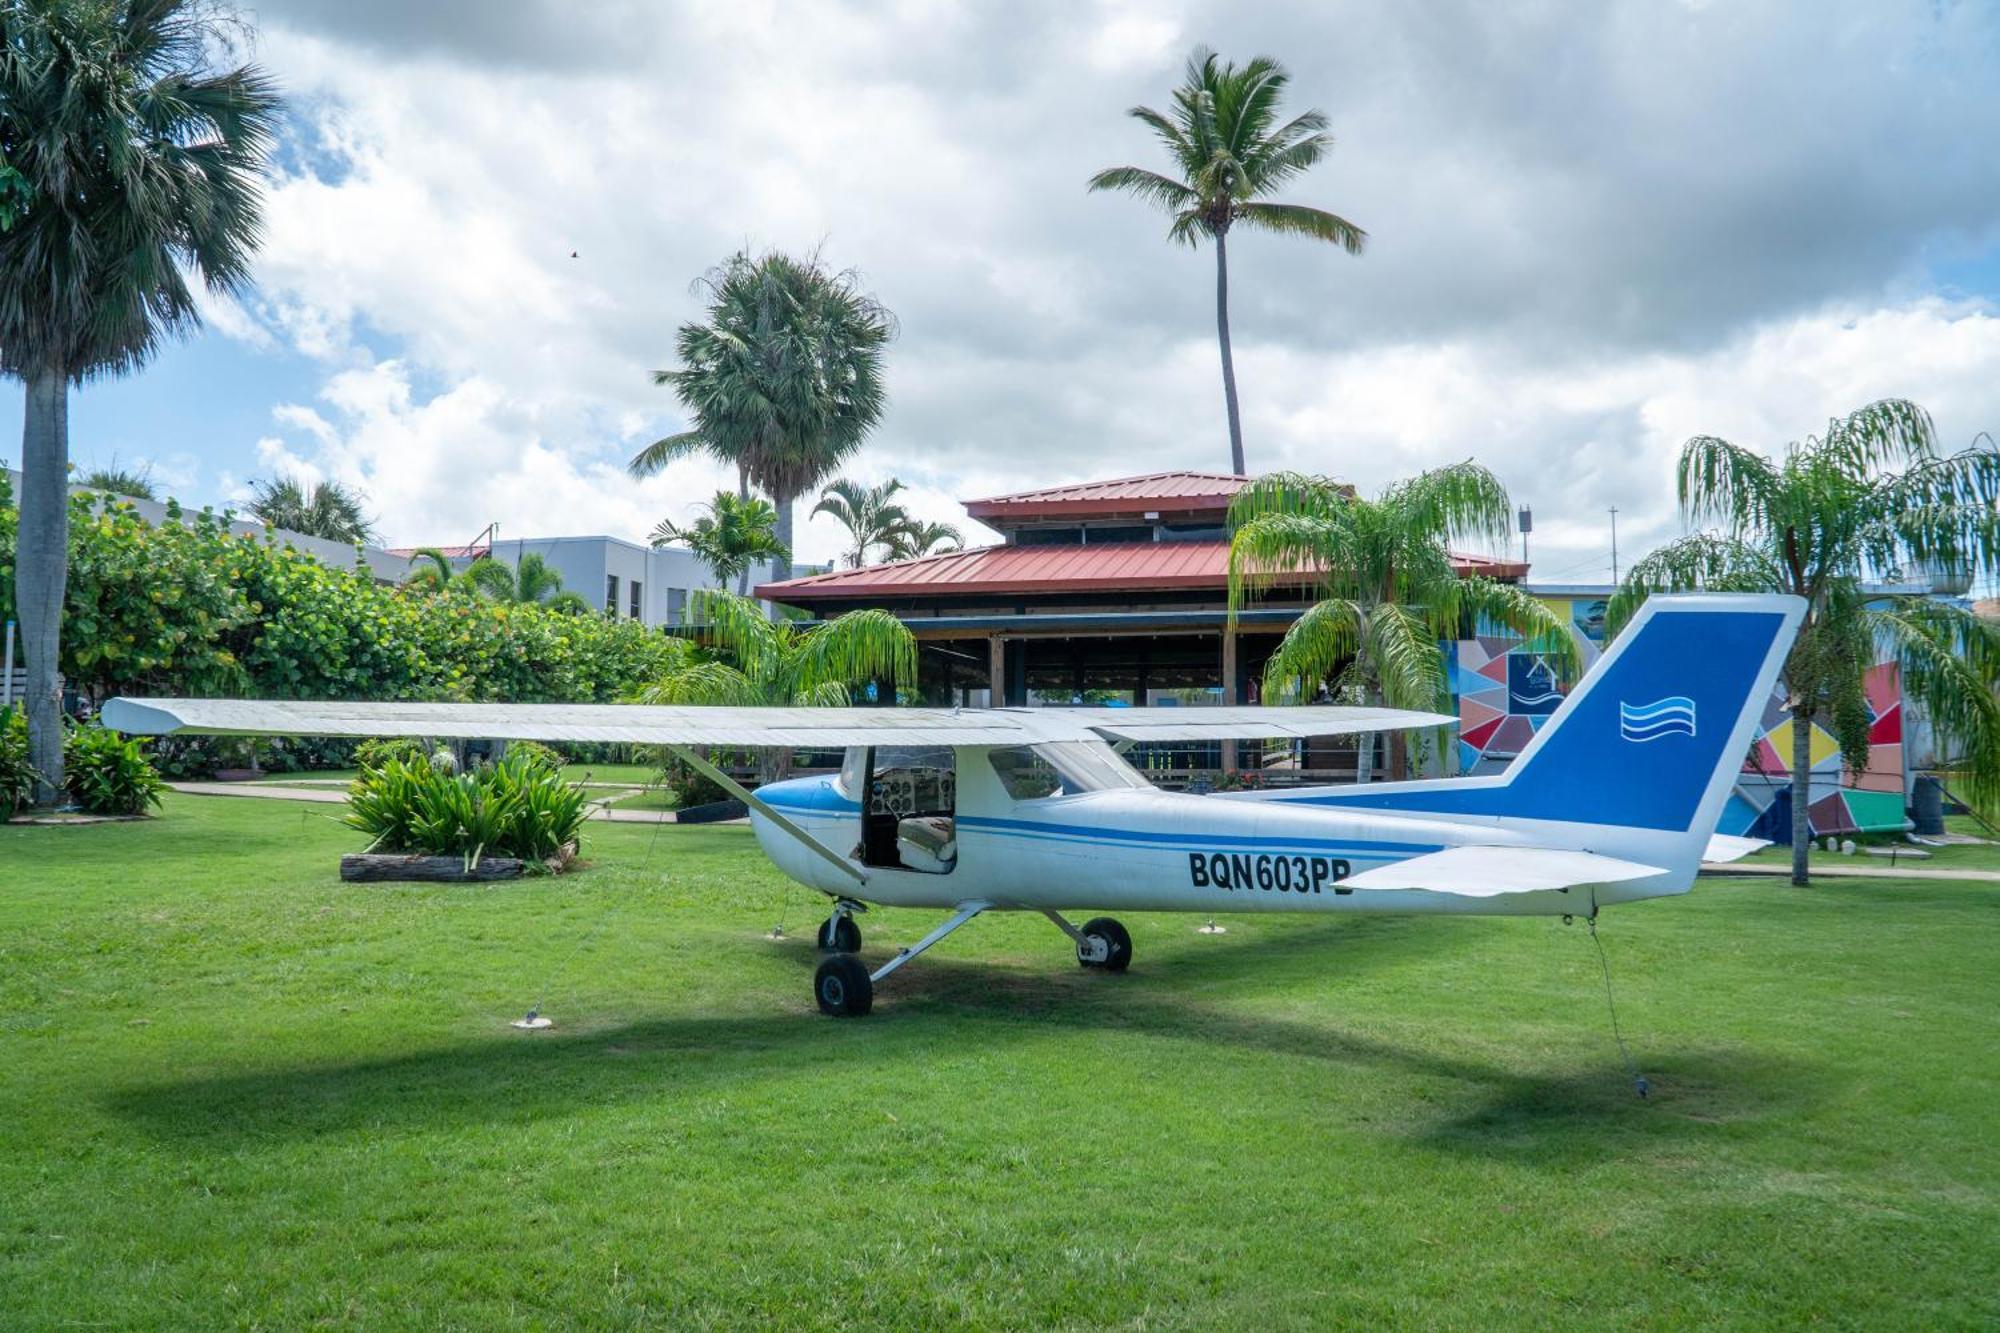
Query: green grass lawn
[236, 1092]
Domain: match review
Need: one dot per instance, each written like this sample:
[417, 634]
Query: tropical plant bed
[380, 867]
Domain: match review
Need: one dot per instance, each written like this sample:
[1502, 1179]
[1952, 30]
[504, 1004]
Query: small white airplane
[1011, 809]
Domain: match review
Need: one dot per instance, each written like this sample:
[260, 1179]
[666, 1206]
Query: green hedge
[190, 608]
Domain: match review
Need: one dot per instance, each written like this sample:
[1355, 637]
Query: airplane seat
[927, 842]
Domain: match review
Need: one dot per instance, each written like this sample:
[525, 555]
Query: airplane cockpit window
[908, 820]
[1061, 768]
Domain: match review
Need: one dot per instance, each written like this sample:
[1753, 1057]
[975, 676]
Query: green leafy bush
[17, 775]
[534, 752]
[376, 753]
[689, 786]
[108, 774]
[514, 808]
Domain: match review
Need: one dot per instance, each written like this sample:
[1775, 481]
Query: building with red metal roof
[1111, 590]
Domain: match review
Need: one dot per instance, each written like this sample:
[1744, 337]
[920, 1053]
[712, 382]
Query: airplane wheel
[839, 934]
[1117, 944]
[842, 987]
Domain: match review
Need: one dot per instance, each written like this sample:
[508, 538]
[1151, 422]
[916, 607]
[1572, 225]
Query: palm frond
[1703, 562]
[1950, 665]
[1299, 220]
[1407, 659]
[1320, 642]
[1725, 483]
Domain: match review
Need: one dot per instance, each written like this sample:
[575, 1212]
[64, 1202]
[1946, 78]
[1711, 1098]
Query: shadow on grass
[1468, 1106]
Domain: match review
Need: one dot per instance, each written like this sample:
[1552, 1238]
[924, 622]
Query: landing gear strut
[839, 933]
[845, 988]
[1102, 943]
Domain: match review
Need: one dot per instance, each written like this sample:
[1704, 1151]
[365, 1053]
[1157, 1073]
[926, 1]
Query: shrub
[514, 808]
[108, 774]
[545, 757]
[17, 776]
[689, 786]
[375, 753]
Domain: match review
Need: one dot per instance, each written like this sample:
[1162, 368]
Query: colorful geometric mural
[1506, 692]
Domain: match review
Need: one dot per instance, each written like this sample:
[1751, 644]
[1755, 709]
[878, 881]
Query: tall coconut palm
[920, 537]
[135, 164]
[734, 534]
[1229, 152]
[1388, 592]
[870, 514]
[751, 660]
[783, 378]
[1871, 498]
[329, 510]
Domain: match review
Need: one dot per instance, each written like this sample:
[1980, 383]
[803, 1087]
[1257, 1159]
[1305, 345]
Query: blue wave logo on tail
[1671, 716]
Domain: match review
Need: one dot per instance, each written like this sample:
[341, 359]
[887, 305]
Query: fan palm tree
[134, 164]
[329, 510]
[735, 533]
[1872, 497]
[918, 537]
[783, 378]
[870, 514]
[1388, 592]
[1229, 153]
[750, 660]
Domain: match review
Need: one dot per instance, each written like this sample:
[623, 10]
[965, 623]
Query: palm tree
[431, 570]
[733, 535]
[778, 663]
[1388, 592]
[1872, 497]
[328, 510]
[1228, 153]
[918, 537]
[783, 380]
[869, 513]
[135, 164]
[123, 481]
[533, 581]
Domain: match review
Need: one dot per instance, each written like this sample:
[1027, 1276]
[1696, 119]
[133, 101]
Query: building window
[677, 605]
[638, 590]
[610, 594]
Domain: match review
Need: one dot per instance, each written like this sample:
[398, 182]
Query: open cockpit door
[909, 808]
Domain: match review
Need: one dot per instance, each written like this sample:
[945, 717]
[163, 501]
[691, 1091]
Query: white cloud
[1591, 237]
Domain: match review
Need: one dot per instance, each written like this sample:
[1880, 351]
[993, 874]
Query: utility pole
[1614, 545]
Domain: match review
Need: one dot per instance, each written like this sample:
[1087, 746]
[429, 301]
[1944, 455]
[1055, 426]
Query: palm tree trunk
[1801, 795]
[783, 565]
[42, 569]
[1228, 361]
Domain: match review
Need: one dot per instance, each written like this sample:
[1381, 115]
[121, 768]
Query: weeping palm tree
[1388, 592]
[1871, 498]
[870, 514]
[919, 537]
[783, 378]
[133, 166]
[1229, 153]
[329, 510]
[734, 534]
[747, 659]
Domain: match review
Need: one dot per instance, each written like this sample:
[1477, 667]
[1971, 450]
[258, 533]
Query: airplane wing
[1726, 847]
[1232, 721]
[1487, 872]
[796, 728]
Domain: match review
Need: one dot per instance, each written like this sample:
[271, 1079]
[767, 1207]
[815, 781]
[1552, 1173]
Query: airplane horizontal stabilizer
[1725, 847]
[1487, 872]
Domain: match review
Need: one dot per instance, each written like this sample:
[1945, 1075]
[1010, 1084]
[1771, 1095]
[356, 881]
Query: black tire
[1117, 944]
[839, 934]
[842, 987]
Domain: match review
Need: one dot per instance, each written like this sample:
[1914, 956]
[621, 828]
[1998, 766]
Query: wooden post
[996, 648]
[1229, 693]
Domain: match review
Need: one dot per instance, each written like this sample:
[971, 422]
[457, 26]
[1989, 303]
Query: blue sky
[1592, 233]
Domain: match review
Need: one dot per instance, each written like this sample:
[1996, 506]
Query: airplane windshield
[1062, 768]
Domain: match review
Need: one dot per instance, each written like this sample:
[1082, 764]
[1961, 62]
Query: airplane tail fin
[1654, 734]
